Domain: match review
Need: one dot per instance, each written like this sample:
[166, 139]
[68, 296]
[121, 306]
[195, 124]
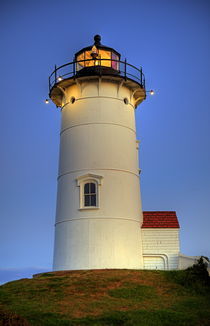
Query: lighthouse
[98, 212]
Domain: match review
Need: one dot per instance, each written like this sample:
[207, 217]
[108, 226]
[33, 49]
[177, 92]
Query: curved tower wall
[98, 140]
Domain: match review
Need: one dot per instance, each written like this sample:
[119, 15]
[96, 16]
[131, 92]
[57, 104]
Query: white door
[154, 262]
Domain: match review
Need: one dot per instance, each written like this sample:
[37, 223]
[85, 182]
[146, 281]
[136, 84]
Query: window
[89, 191]
[90, 194]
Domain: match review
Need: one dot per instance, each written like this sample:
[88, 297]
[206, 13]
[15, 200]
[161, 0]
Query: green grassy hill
[107, 297]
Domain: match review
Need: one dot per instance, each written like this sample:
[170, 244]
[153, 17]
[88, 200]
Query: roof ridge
[159, 211]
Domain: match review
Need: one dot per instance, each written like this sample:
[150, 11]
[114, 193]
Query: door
[154, 262]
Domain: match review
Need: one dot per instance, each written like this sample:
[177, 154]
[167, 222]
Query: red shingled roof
[160, 220]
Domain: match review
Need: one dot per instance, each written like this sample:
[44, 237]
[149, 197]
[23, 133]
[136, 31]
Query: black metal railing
[73, 69]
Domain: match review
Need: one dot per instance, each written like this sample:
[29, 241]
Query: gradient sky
[170, 39]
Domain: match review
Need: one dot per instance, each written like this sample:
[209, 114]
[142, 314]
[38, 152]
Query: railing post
[49, 84]
[141, 75]
[125, 69]
[74, 63]
[55, 74]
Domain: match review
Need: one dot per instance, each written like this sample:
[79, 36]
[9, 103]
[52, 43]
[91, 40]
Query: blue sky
[170, 39]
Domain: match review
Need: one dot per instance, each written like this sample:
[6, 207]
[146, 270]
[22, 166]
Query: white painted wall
[187, 261]
[160, 248]
[98, 136]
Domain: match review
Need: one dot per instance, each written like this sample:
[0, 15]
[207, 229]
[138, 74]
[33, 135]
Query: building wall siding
[161, 242]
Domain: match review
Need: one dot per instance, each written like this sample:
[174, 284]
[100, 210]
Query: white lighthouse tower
[99, 214]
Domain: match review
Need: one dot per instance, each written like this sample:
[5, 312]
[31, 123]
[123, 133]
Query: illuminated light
[152, 92]
[95, 57]
[94, 52]
[59, 78]
[47, 101]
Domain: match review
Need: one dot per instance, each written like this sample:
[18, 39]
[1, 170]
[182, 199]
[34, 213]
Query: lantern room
[97, 55]
[100, 62]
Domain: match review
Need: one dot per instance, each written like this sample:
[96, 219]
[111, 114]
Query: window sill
[88, 208]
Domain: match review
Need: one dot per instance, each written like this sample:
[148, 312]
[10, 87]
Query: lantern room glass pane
[105, 55]
[88, 56]
[80, 65]
[115, 64]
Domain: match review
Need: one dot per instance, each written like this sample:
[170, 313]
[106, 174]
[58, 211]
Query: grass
[107, 297]
[133, 292]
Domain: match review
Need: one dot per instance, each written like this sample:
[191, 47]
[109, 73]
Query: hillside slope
[106, 297]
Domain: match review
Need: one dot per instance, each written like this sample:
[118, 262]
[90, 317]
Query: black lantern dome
[90, 58]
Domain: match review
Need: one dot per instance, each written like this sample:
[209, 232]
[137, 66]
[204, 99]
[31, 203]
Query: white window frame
[88, 178]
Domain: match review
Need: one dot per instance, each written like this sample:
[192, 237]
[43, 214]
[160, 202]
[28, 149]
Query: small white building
[160, 240]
